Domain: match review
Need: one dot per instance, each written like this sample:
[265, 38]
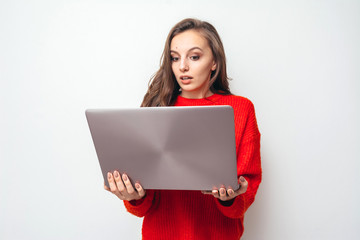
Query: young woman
[193, 73]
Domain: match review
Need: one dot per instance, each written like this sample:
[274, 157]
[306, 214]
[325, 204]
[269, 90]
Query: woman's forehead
[188, 40]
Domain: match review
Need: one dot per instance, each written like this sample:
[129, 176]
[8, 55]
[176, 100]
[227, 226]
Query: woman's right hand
[122, 187]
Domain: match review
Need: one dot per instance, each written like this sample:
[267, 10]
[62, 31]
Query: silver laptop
[182, 148]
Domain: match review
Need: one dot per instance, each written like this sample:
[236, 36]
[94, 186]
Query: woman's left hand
[227, 194]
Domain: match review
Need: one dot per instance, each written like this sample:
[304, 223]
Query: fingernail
[214, 191]
[124, 177]
[137, 186]
[222, 191]
[231, 192]
[116, 174]
[242, 179]
[109, 175]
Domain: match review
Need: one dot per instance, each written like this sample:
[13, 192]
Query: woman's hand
[122, 187]
[228, 194]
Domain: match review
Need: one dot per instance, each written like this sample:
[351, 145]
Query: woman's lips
[185, 79]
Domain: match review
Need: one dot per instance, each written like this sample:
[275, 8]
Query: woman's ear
[213, 68]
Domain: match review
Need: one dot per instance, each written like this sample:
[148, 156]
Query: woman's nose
[184, 66]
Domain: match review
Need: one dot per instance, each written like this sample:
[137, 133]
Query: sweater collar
[201, 101]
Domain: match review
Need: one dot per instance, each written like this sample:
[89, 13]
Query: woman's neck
[196, 95]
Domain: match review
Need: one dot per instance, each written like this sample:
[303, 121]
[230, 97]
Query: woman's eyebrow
[198, 48]
[193, 48]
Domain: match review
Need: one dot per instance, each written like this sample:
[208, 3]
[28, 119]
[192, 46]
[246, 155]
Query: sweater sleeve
[140, 207]
[248, 165]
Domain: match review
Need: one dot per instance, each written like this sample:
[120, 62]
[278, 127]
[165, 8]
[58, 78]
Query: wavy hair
[163, 88]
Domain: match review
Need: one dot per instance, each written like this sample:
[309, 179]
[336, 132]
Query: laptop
[173, 148]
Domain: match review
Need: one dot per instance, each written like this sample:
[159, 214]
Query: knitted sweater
[172, 214]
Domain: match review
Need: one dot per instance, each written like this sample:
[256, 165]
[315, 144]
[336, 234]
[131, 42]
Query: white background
[298, 61]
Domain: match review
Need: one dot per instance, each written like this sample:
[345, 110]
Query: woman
[193, 73]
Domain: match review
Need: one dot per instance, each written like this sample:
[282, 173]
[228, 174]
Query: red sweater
[171, 214]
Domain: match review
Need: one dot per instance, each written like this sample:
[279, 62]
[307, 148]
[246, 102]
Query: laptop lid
[182, 148]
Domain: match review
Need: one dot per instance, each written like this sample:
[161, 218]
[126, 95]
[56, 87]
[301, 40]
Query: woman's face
[192, 63]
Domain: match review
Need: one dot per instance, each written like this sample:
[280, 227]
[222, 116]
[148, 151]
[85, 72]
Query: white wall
[298, 61]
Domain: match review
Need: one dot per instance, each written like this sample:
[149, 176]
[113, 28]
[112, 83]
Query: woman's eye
[174, 59]
[194, 58]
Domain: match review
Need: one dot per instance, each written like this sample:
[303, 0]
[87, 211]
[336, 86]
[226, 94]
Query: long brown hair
[163, 87]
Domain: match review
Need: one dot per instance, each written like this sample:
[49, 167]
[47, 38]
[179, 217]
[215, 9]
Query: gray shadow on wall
[256, 216]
